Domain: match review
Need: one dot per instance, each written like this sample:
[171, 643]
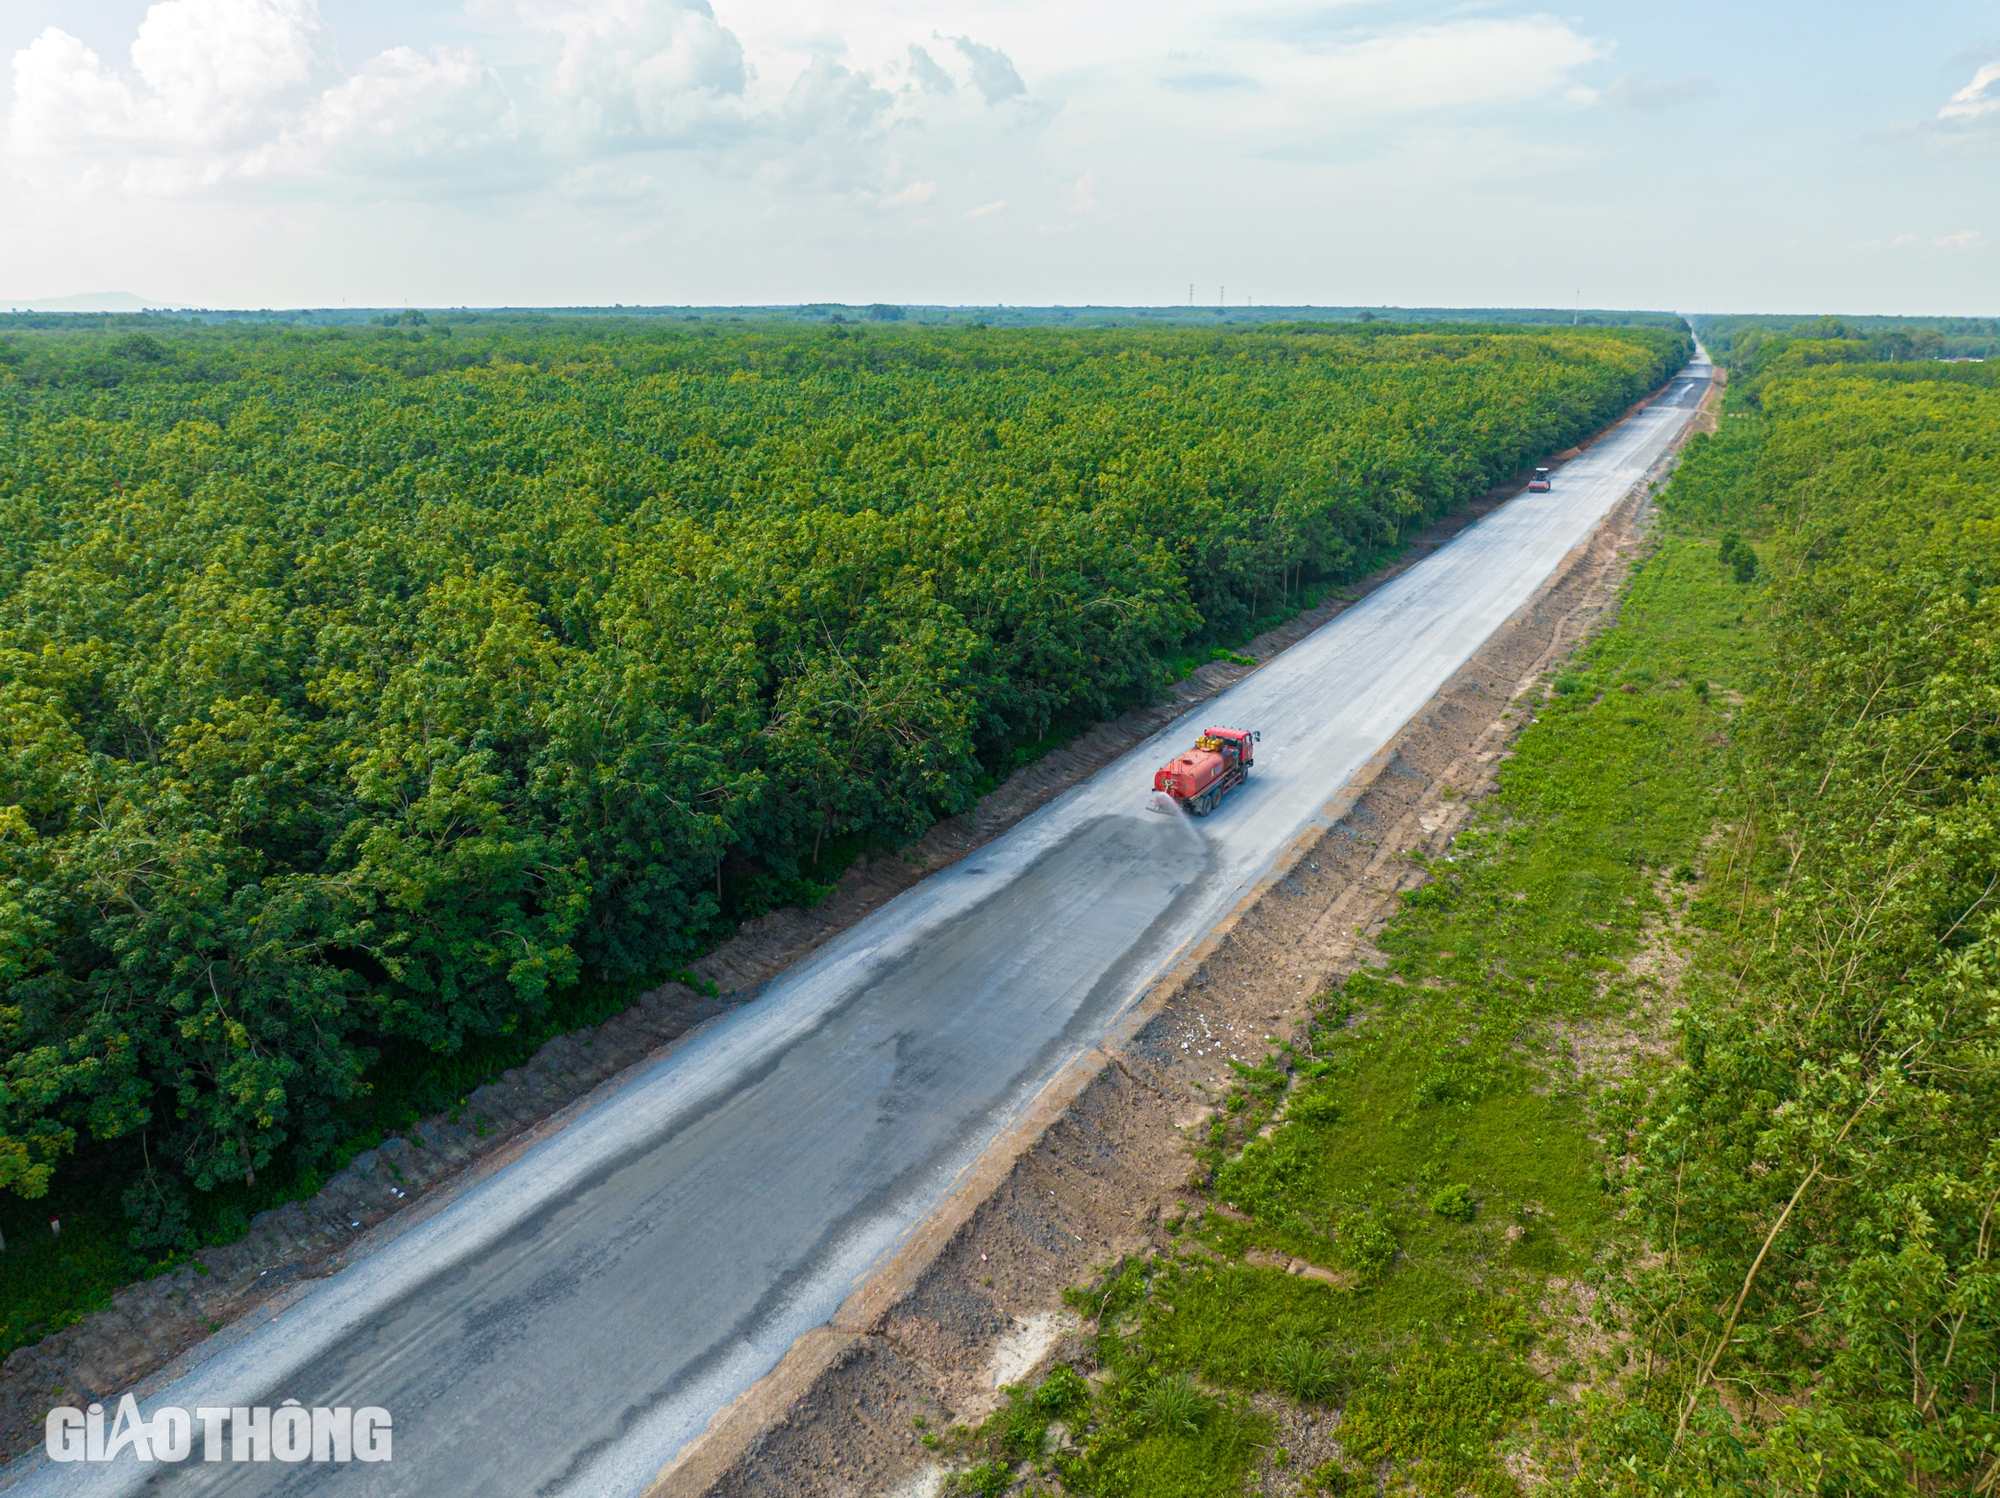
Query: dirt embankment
[975, 1300]
[152, 1324]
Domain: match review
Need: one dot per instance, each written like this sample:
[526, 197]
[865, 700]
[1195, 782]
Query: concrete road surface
[568, 1325]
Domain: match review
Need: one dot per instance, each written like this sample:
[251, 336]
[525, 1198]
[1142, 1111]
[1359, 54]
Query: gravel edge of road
[152, 1326]
[1101, 1152]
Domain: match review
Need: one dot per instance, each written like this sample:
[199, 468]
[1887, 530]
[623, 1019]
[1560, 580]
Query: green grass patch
[1439, 1415]
[1434, 1131]
[1153, 1432]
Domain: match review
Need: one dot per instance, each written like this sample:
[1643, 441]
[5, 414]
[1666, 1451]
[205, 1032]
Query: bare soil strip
[974, 1299]
[153, 1325]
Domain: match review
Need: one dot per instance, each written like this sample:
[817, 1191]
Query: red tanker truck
[1199, 779]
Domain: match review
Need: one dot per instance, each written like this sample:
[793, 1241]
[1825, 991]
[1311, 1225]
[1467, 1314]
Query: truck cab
[1234, 744]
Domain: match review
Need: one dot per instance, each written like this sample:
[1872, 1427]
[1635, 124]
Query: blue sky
[1705, 157]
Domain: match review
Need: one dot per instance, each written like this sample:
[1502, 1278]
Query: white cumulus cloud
[220, 69]
[640, 72]
[930, 77]
[211, 82]
[405, 107]
[64, 98]
[1970, 117]
[1978, 100]
[242, 92]
[236, 91]
[717, 126]
[993, 71]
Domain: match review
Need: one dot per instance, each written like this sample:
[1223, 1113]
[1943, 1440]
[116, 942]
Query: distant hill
[89, 301]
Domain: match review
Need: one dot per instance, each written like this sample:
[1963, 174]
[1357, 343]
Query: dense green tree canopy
[1821, 1175]
[366, 685]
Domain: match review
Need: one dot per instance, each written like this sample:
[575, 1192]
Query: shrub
[1024, 1422]
[1172, 1405]
[1313, 1106]
[989, 1479]
[1367, 1245]
[1455, 1203]
[1332, 1480]
[1304, 1369]
[1438, 1415]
